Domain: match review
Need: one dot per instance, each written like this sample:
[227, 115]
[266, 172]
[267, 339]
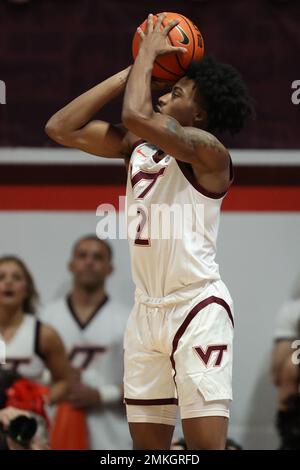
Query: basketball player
[92, 326]
[178, 340]
[30, 345]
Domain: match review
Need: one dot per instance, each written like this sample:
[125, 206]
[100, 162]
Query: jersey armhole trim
[37, 338]
[187, 171]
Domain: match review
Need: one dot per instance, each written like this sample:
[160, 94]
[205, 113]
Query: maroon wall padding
[53, 50]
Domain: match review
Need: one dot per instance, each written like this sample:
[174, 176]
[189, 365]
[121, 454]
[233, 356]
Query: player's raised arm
[209, 98]
[73, 125]
[184, 143]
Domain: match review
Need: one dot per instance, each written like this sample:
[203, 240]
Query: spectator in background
[92, 326]
[285, 374]
[30, 345]
[286, 331]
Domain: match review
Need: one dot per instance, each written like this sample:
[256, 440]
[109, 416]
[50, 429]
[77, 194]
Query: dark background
[53, 50]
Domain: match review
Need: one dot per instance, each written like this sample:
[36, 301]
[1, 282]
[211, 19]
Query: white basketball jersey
[97, 349]
[161, 193]
[22, 353]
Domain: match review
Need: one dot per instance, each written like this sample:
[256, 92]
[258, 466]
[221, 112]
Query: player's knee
[148, 436]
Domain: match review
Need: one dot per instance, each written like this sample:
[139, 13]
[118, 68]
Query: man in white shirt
[91, 326]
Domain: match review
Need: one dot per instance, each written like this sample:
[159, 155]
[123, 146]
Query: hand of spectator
[10, 413]
[76, 374]
[6, 416]
[83, 396]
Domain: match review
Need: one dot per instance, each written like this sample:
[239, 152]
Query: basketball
[171, 67]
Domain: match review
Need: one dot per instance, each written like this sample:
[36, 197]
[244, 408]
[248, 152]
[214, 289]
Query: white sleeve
[287, 321]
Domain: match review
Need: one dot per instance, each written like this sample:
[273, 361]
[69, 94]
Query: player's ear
[200, 118]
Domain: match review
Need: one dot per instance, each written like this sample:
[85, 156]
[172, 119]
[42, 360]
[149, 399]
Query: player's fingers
[159, 21]
[141, 33]
[170, 26]
[180, 50]
[149, 28]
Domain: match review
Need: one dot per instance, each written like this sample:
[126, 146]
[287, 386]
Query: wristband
[109, 394]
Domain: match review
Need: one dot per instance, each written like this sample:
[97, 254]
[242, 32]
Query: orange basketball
[171, 67]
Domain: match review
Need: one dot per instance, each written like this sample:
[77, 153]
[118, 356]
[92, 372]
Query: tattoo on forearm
[209, 142]
[173, 126]
[194, 137]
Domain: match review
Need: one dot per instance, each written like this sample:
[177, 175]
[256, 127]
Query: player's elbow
[131, 119]
[55, 129]
[128, 118]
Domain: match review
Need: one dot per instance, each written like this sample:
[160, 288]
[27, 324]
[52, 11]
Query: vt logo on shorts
[218, 349]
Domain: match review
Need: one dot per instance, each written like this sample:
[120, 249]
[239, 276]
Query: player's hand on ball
[155, 39]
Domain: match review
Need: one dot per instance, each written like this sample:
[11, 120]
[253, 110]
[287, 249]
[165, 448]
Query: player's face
[90, 264]
[181, 103]
[13, 285]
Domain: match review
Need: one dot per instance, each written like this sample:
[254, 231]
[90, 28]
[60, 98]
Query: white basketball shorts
[178, 350]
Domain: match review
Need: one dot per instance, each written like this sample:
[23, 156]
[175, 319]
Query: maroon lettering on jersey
[206, 354]
[87, 354]
[146, 175]
[138, 240]
[12, 363]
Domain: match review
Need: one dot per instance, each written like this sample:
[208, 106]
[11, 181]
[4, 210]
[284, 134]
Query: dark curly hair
[223, 95]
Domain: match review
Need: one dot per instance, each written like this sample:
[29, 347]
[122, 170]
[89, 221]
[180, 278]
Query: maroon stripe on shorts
[181, 330]
[159, 401]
